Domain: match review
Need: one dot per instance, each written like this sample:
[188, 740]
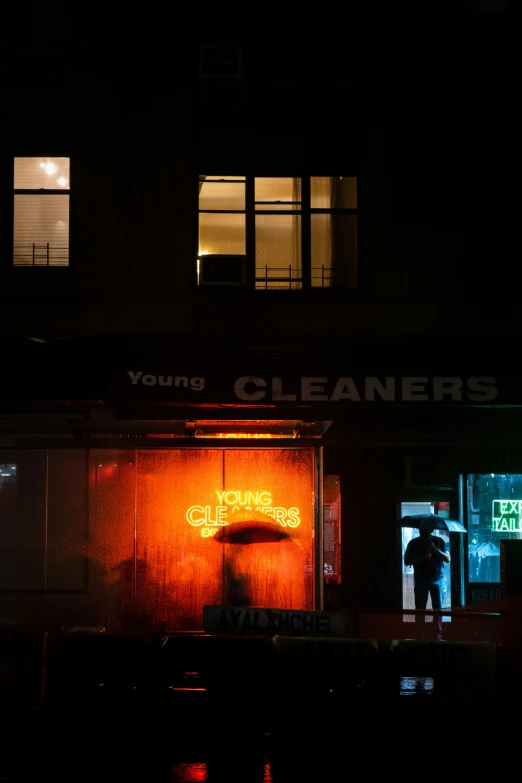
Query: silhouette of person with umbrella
[427, 554]
[247, 530]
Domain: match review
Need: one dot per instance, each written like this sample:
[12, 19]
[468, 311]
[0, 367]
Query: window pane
[41, 174]
[333, 192]
[41, 230]
[221, 234]
[221, 194]
[280, 193]
[22, 522]
[274, 573]
[334, 250]
[490, 520]
[68, 566]
[332, 529]
[278, 251]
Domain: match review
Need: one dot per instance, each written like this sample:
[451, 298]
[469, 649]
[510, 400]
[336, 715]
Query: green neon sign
[507, 516]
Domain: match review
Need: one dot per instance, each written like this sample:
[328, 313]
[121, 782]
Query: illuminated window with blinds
[277, 233]
[41, 212]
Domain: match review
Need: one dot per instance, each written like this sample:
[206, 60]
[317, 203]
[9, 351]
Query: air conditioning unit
[222, 270]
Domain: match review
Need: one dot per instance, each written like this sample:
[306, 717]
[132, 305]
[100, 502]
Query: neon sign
[507, 516]
[229, 502]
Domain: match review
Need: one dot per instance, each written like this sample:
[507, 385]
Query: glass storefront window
[332, 530]
[148, 537]
[494, 503]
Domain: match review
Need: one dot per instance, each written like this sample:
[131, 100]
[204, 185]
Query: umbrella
[251, 527]
[433, 522]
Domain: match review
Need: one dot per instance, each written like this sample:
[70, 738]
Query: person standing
[427, 554]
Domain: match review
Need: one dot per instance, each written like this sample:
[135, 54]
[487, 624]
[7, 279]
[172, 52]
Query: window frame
[32, 269]
[305, 212]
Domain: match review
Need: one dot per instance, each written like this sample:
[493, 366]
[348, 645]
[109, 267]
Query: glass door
[407, 533]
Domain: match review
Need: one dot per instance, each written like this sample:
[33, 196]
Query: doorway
[407, 533]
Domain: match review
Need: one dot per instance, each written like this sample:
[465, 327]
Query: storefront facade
[146, 489]
[139, 538]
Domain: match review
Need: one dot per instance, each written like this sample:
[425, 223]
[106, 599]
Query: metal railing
[286, 278]
[272, 278]
[40, 255]
[334, 277]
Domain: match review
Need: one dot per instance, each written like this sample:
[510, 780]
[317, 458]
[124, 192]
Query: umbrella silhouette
[432, 522]
[251, 527]
[244, 574]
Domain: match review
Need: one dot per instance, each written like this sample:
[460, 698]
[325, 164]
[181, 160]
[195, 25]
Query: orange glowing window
[176, 529]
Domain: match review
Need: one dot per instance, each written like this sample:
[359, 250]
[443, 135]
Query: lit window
[278, 233]
[41, 212]
[333, 232]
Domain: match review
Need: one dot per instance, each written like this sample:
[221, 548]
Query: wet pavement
[321, 748]
[188, 748]
[290, 738]
[304, 761]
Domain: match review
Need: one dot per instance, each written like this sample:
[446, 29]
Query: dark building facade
[255, 260]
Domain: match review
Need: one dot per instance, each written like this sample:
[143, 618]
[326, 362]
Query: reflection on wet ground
[313, 753]
[240, 760]
[190, 772]
[198, 772]
[308, 743]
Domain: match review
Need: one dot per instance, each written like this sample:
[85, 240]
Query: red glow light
[244, 435]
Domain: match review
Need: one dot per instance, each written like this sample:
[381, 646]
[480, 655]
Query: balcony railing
[334, 277]
[286, 278]
[40, 255]
[272, 278]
